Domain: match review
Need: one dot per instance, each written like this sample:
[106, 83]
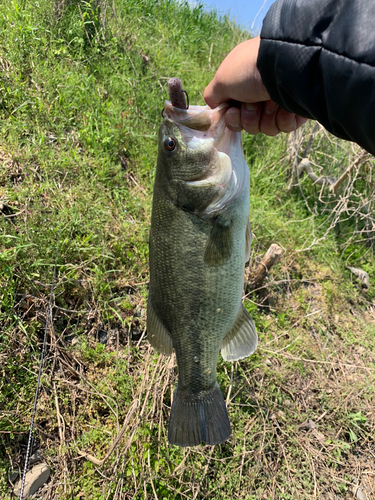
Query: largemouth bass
[199, 242]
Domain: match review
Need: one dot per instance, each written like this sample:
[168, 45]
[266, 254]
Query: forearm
[317, 59]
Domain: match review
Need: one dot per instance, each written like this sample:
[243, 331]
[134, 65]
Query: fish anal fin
[249, 238]
[242, 340]
[219, 244]
[157, 334]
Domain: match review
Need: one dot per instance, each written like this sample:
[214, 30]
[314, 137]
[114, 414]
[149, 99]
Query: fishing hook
[187, 98]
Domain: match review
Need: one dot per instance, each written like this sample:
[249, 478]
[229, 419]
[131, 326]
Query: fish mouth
[203, 127]
[198, 118]
[199, 125]
[196, 123]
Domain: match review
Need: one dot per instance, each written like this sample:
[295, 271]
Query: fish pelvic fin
[197, 418]
[157, 334]
[242, 340]
[219, 244]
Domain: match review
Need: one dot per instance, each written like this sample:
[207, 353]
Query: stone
[307, 425]
[13, 476]
[102, 337]
[36, 457]
[34, 480]
[359, 493]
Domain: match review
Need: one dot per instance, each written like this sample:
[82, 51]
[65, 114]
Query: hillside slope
[82, 85]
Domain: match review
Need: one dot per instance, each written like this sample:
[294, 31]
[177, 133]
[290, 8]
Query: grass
[81, 89]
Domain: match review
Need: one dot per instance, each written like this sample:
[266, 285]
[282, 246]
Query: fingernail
[251, 108]
[233, 120]
[270, 109]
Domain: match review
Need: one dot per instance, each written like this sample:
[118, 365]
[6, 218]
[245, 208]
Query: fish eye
[169, 144]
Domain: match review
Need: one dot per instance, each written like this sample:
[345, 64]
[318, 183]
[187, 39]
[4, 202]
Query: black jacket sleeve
[317, 59]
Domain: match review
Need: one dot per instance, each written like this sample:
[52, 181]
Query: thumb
[213, 96]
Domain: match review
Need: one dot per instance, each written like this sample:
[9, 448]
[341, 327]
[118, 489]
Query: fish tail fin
[198, 417]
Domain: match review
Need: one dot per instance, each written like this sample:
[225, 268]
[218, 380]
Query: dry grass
[76, 169]
[294, 409]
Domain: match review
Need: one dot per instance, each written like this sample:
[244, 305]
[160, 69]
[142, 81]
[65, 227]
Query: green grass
[82, 85]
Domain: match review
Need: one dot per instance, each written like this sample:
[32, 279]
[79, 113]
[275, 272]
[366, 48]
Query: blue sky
[248, 13]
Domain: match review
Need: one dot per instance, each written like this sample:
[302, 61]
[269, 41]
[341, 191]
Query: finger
[211, 95]
[215, 93]
[250, 117]
[233, 119]
[285, 121]
[268, 124]
[300, 121]
[288, 122]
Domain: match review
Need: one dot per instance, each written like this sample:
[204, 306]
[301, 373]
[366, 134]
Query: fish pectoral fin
[249, 238]
[219, 244]
[242, 340]
[157, 334]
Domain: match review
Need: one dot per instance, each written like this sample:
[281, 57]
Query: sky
[248, 13]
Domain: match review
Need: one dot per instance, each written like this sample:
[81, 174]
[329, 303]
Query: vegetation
[82, 85]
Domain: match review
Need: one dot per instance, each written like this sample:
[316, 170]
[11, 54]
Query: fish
[199, 243]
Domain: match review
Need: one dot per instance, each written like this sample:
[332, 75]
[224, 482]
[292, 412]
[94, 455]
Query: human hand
[238, 79]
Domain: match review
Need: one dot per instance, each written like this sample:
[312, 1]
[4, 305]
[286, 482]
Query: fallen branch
[333, 183]
[334, 187]
[272, 256]
[305, 167]
[361, 275]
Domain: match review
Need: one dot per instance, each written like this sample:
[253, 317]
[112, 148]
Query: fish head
[200, 162]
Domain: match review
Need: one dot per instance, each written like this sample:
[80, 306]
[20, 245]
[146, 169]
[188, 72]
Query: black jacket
[317, 59]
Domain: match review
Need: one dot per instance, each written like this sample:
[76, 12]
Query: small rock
[139, 313]
[34, 480]
[135, 333]
[36, 457]
[13, 476]
[359, 493]
[102, 337]
[112, 335]
[308, 425]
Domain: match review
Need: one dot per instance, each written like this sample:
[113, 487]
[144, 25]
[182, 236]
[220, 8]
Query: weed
[81, 89]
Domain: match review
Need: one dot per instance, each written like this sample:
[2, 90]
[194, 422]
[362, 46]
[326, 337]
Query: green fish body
[199, 243]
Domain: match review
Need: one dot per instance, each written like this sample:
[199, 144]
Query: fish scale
[199, 240]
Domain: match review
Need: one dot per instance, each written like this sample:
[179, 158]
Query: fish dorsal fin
[157, 334]
[242, 340]
[249, 238]
[219, 244]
